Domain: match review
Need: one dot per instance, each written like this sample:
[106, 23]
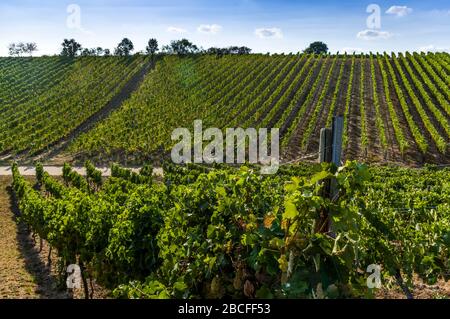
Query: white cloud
[373, 35]
[264, 33]
[176, 30]
[352, 50]
[209, 28]
[399, 11]
[433, 48]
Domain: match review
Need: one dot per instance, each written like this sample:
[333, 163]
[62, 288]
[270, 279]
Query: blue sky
[263, 25]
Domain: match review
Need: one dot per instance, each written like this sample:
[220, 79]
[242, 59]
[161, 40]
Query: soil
[116, 102]
[293, 150]
[375, 151]
[26, 270]
[393, 152]
[441, 290]
[353, 149]
[313, 143]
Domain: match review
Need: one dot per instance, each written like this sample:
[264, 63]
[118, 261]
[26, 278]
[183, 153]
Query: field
[44, 99]
[217, 231]
[396, 107]
[223, 232]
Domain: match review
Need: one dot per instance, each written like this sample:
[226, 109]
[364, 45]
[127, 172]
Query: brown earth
[26, 271]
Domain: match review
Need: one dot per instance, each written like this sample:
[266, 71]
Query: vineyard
[44, 99]
[396, 108]
[223, 231]
[204, 232]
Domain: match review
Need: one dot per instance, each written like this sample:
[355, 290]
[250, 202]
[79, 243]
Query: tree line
[183, 47]
[71, 48]
[17, 49]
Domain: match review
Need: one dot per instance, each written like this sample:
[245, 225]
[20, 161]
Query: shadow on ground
[45, 279]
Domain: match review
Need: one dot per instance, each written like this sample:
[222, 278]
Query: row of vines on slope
[295, 93]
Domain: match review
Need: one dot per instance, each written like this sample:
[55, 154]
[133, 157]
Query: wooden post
[337, 131]
[325, 156]
[325, 148]
[330, 151]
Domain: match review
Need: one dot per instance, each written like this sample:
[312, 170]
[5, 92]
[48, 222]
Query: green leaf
[290, 211]
[319, 177]
[221, 191]
[264, 293]
[180, 286]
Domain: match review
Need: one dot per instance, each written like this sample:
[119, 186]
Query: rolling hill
[396, 107]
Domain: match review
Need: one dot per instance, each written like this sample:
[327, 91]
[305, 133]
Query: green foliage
[74, 179]
[317, 48]
[70, 48]
[124, 48]
[94, 176]
[152, 46]
[214, 232]
[44, 99]
[127, 174]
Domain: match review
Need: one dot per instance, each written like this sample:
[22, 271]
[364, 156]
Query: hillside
[196, 231]
[44, 99]
[396, 107]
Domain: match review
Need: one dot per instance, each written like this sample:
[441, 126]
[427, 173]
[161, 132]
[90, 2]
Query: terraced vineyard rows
[395, 107]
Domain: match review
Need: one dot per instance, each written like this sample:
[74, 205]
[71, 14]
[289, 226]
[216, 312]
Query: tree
[70, 48]
[216, 51]
[30, 47]
[244, 50]
[89, 52]
[230, 50]
[14, 50]
[317, 48]
[17, 49]
[95, 52]
[183, 47]
[152, 47]
[125, 47]
[21, 47]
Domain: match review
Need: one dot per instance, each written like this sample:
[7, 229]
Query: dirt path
[115, 103]
[23, 270]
